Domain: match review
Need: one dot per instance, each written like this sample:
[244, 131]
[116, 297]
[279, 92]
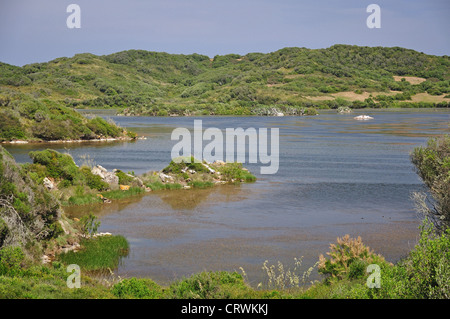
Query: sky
[36, 30]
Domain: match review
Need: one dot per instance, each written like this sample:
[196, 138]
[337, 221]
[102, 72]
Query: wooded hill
[289, 80]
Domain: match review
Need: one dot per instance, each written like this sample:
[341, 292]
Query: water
[337, 176]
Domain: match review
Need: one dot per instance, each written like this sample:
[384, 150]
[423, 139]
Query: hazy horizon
[36, 31]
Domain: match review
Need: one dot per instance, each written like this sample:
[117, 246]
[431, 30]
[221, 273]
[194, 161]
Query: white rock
[363, 117]
[48, 184]
[165, 178]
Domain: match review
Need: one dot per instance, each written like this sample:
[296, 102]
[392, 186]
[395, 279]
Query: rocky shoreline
[109, 139]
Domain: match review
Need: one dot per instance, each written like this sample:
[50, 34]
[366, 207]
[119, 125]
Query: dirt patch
[410, 79]
[425, 97]
[352, 96]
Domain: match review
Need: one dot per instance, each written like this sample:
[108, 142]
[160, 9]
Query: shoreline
[112, 139]
[367, 109]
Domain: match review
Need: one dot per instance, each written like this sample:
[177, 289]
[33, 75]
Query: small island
[73, 185]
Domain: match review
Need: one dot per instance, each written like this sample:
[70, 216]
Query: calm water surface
[337, 176]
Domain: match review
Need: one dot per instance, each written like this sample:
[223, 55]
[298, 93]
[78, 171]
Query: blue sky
[36, 31]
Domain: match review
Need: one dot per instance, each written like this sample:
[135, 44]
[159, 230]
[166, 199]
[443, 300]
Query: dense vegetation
[23, 117]
[291, 81]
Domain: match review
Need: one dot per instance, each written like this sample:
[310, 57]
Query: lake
[336, 176]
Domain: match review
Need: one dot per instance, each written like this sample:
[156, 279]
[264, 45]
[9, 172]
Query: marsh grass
[86, 199]
[281, 278]
[201, 184]
[119, 194]
[157, 186]
[101, 253]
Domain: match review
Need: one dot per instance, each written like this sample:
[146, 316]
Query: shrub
[89, 224]
[137, 288]
[93, 181]
[4, 230]
[346, 252]
[60, 166]
[432, 164]
[235, 172]
[124, 179]
[207, 285]
[100, 126]
[10, 127]
[10, 260]
[427, 265]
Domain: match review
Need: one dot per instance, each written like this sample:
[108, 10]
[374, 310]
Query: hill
[289, 80]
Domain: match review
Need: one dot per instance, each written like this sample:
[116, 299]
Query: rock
[111, 178]
[101, 234]
[45, 259]
[48, 184]
[344, 109]
[108, 177]
[219, 162]
[363, 117]
[165, 178]
[124, 187]
[97, 170]
[209, 168]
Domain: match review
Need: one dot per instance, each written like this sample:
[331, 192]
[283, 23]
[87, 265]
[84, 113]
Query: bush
[57, 165]
[137, 288]
[208, 285]
[427, 265]
[10, 261]
[124, 179]
[235, 172]
[10, 127]
[93, 181]
[343, 255]
[432, 164]
[101, 127]
[89, 224]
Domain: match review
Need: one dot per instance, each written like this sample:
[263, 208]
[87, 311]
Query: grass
[157, 186]
[119, 194]
[98, 253]
[86, 199]
[201, 184]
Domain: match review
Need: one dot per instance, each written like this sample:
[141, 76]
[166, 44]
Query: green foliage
[160, 84]
[93, 181]
[343, 257]
[89, 224]
[10, 128]
[98, 253]
[4, 230]
[427, 266]
[124, 179]
[57, 165]
[118, 194]
[200, 184]
[432, 164]
[236, 172]
[208, 285]
[137, 288]
[37, 209]
[10, 261]
[101, 127]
